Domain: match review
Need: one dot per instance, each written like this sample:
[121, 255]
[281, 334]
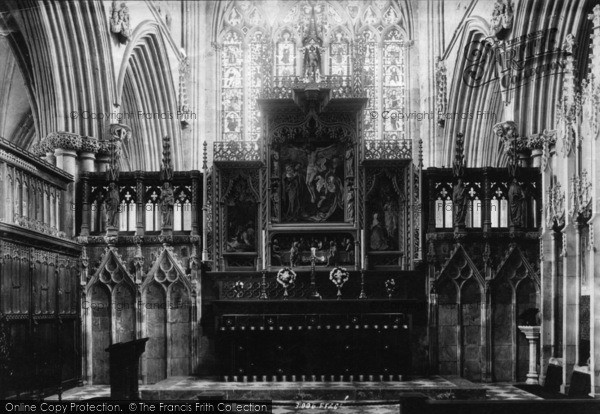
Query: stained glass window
[232, 87]
[393, 85]
[370, 83]
[258, 47]
[339, 59]
[265, 37]
[286, 55]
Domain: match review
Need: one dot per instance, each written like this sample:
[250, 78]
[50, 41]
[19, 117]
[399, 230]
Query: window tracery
[258, 35]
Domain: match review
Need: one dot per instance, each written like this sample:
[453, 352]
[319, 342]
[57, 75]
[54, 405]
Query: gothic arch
[146, 84]
[168, 350]
[109, 307]
[510, 291]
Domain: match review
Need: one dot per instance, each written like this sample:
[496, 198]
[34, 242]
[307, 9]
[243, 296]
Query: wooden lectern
[124, 368]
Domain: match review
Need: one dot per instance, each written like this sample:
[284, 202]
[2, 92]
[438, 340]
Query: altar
[304, 340]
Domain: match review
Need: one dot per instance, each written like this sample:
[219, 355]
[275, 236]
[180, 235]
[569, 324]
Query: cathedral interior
[301, 192]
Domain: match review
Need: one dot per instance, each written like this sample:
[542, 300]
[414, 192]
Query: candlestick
[362, 294]
[363, 248]
[264, 255]
[313, 276]
[263, 286]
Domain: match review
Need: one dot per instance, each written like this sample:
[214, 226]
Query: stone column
[87, 155]
[66, 145]
[594, 225]
[103, 156]
[87, 161]
[66, 159]
[532, 333]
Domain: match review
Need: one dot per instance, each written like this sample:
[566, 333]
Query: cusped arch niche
[460, 292]
[168, 302]
[110, 312]
[514, 289]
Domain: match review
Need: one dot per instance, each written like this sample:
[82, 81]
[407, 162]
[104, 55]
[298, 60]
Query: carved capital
[89, 144]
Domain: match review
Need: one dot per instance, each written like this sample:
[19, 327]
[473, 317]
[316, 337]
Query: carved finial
[458, 166]
[166, 170]
[204, 156]
[441, 89]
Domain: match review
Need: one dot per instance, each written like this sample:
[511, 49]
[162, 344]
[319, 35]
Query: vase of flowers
[286, 277]
[339, 276]
[390, 287]
[238, 288]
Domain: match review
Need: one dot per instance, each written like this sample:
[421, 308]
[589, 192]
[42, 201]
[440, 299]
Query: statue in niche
[460, 202]
[276, 253]
[167, 201]
[350, 204]
[390, 215]
[516, 200]
[275, 197]
[291, 182]
[113, 205]
[312, 62]
[332, 257]
[378, 237]
[294, 254]
[350, 162]
[275, 165]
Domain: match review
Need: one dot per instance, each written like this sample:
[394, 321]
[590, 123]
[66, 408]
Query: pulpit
[124, 368]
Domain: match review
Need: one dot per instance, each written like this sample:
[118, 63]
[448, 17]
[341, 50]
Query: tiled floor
[498, 391]
[502, 391]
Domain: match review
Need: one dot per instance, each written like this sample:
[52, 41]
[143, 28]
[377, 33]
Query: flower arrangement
[238, 288]
[286, 277]
[390, 286]
[339, 276]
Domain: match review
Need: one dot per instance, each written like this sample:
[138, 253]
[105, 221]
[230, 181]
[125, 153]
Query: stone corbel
[502, 17]
[508, 134]
[119, 21]
[138, 261]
